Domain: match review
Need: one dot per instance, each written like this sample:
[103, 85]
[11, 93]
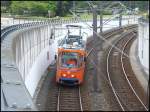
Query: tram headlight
[64, 75]
[72, 75]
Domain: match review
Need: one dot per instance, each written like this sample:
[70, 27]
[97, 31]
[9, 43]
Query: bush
[17, 7]
[40, 9]
[107, 12]
[29, 8]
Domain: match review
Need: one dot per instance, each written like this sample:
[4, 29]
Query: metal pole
[95, 86]
[120, 20]
[95, 28]
[94, 23]
[101, 21]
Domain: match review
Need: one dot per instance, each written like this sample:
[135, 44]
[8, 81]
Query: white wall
[39, 67]
[143, 45]
[32, 46]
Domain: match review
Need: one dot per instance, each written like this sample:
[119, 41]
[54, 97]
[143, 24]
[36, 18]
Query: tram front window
[69, 60]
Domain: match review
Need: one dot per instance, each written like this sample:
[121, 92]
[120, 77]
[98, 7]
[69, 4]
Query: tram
[71, 58]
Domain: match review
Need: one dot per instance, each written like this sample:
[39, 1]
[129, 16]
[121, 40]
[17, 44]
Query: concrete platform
[138, 69]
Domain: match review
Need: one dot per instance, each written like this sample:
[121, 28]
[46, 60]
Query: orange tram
[71, 59]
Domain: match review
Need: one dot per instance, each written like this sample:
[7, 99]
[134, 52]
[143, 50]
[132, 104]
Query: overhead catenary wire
[101, 37]
[109, 44]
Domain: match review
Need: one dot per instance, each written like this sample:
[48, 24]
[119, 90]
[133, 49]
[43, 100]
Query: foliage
[52, 6]
[39, 9]
[18, 7]
[29, 8]
[60, 8]
[63, 7]
[68, 5]
[3, 9]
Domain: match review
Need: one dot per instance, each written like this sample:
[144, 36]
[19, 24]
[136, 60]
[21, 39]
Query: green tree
[17, 7]
[52, 7]
[5, 6]
[60, 8]
[39, 9]
[36, 8]
[63, 7]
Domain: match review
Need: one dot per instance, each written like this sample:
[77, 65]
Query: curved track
[113, 32]
[116, 31]
[121, 87]
[130, 76]
[69, 98]
[64, 98]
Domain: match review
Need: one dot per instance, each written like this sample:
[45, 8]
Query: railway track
[123, 91]
[131, 77]
[118, 30]
[69, 99]
[112, 32]
[64, 98]
[129, 94]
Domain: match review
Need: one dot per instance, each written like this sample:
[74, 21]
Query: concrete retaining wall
[27, 50]
[143, 44]
[34, 50]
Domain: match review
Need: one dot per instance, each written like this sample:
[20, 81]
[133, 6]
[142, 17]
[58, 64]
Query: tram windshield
[69, 60]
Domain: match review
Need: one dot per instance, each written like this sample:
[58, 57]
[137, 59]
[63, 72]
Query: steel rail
[92, 50]
[80, 99]
[110, 80]
[79, 96]
[123, 68]
[115, 93]
[58, 103]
